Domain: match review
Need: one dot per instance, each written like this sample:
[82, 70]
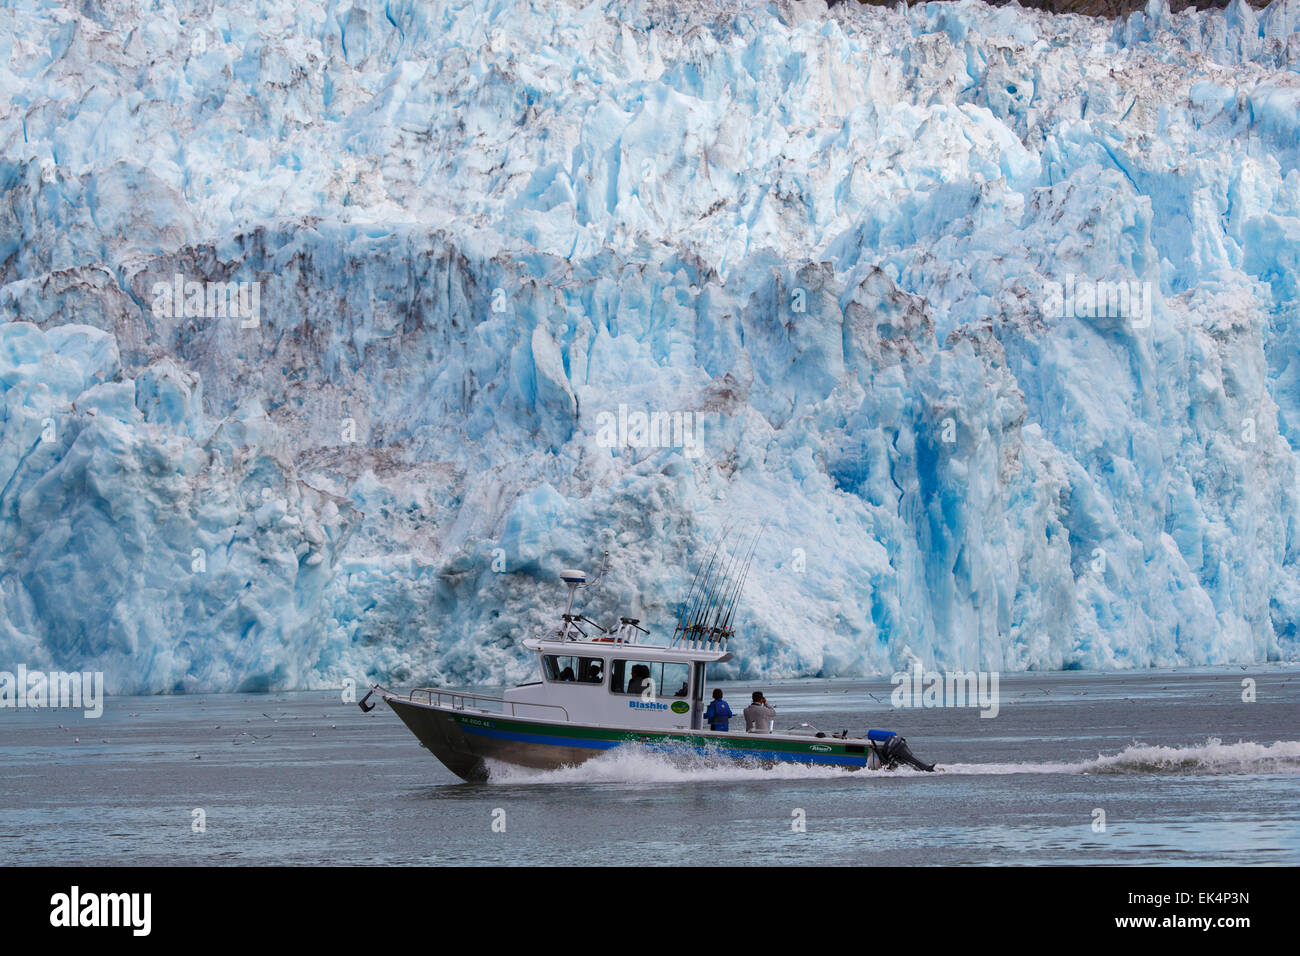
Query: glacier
[860, 249]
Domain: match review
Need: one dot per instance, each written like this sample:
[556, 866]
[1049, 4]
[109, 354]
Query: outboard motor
[893, 750]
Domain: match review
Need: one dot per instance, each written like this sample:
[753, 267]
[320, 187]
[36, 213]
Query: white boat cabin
[614, 680]
[621, 683]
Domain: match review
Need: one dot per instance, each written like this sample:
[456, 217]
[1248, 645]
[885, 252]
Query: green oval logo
[680, 707]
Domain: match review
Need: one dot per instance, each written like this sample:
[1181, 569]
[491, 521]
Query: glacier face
[856, 252]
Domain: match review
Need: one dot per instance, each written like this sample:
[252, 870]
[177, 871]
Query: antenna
[603, 568]
[578, 579]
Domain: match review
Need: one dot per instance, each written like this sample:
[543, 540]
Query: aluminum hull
[465, 740]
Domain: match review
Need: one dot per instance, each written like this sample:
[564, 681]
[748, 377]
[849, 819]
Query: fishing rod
[689, 605]
[700, 604]
[722, 585]
[685, 608]
[725, 592]
[744, 576]
[699, 592]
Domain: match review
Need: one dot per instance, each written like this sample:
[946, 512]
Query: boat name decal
[646, 705]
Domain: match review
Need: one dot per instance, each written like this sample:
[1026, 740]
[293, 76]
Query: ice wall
[470, 235]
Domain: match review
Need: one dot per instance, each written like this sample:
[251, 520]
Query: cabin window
[650, 678]
[579, 670]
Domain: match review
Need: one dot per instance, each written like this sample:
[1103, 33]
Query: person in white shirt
[760, 715]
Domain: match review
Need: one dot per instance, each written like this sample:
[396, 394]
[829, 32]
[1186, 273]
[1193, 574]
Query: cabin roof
[643, 652]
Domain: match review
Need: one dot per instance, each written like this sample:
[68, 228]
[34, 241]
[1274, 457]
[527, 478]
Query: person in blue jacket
[718, 712]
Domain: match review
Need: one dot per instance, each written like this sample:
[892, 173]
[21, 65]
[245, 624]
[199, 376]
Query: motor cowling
[893, 750]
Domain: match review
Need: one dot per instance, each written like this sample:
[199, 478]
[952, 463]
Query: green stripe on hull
[766, 742]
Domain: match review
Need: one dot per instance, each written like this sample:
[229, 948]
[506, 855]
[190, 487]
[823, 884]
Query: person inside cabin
[566, 674]
[759, 715]
[593, 673]
[719, 712]
[640, 679]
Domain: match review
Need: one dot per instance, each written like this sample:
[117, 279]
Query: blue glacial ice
[481, 230]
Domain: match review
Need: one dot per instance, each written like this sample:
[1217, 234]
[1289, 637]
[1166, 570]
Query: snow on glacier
[481, 227]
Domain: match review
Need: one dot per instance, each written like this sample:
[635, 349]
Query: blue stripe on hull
[575, 742]
[733, 752]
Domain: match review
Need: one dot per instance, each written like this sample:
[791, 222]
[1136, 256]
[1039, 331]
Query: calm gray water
[1184, 771]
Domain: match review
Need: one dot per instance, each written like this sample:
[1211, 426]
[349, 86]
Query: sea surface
[1152, 767]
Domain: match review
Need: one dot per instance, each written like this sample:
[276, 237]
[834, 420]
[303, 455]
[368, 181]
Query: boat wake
[1213, 757]
[640, 766]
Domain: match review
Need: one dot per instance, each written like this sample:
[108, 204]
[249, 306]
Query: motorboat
[600, 688]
